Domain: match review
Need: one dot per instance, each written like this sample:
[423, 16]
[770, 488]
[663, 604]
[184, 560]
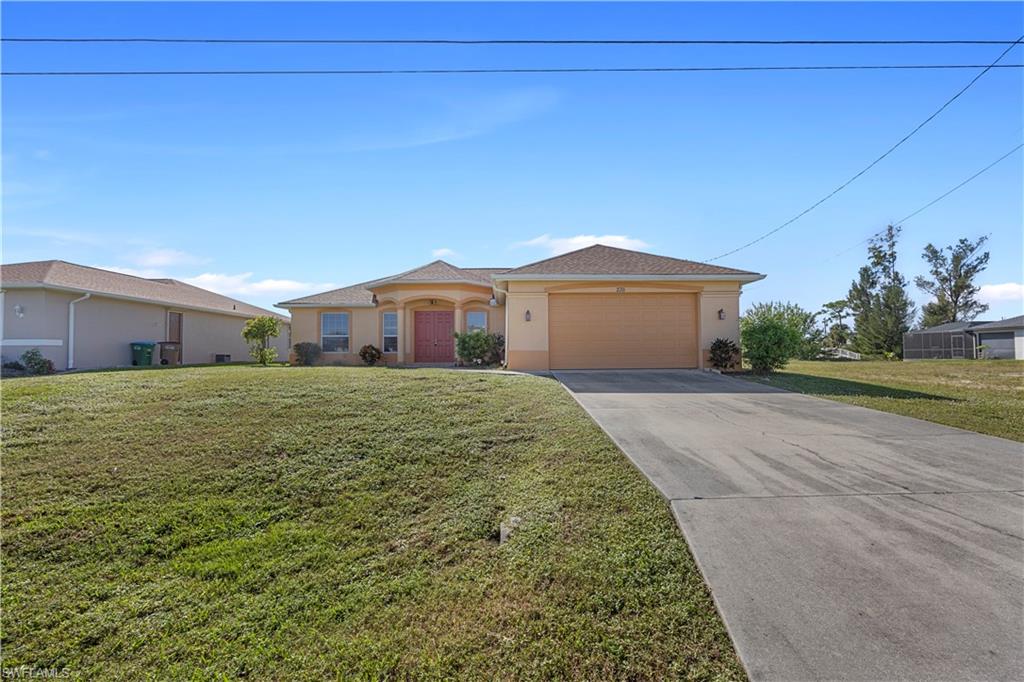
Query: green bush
[768, 343]
[370, 354]
[35, 363]
[307, 353]
[810, 337]
[723, 353]
[257, 332]
[479, 348]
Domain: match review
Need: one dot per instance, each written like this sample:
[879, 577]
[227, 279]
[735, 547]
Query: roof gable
[609, 260]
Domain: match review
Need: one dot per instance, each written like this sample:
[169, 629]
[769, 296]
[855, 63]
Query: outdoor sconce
[373, 299]
[527, 316]
[493, 302]
[721, 313]
[19, 310]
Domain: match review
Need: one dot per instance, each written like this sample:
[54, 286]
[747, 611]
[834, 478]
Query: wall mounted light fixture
[721, 313]
[527, 316]
[19, 310]
[493, 302]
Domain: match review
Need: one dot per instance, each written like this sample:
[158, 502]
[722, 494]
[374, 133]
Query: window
[390, 340]
[476, 320]
[334, 332]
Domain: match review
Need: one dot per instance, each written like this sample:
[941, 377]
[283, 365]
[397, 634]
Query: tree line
[877, 310]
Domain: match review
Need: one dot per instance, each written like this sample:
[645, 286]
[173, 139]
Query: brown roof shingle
[64, 275]
[609, 260]
[361, 294]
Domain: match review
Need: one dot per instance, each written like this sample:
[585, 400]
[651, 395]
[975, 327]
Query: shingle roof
[950, 327]
[609, 260]
[975, 325]
[361, 294]
[1008, 323]
[64, 275]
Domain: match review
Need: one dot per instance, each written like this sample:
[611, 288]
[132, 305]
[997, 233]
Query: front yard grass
[986, 396]
[297, 523]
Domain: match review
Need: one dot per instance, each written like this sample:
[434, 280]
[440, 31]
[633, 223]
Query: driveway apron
[839, 542]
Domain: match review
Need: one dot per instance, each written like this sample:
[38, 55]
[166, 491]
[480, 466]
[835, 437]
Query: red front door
[434, 332]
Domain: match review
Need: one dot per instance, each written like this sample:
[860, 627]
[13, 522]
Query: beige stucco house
[85, 318]
[598, 307]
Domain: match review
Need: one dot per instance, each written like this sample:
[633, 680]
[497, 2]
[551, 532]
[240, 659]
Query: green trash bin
[142, 353]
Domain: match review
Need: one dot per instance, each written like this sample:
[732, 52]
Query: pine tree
[953, 270]
[882, 310]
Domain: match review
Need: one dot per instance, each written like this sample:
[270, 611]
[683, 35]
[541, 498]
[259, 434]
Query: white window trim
[482, 312]
[384, 336]
[347, 337]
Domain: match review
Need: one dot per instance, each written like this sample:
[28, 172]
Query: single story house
[967, 340]
[598, 307]
[86, 318]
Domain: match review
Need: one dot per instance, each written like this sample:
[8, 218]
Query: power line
[871, 165]
[582, 69]
[930, 203]
[486, 41]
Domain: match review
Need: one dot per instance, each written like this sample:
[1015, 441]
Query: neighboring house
[967, 340]
[599, 307]
[84, 318]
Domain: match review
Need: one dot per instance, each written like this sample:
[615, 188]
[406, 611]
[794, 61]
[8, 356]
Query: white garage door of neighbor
[622, 331]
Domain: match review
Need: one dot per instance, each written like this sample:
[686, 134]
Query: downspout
[71, 329]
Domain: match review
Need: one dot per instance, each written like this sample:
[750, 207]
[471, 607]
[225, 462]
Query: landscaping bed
[289, 523]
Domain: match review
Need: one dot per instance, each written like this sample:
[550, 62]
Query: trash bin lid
[143, 343]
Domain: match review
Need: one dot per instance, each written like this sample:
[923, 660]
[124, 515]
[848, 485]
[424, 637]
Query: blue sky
[266, 188]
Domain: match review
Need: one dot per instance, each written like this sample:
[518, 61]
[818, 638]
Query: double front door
[435, 336]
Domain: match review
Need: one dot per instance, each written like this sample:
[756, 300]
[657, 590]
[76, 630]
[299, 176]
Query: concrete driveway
[839, 542]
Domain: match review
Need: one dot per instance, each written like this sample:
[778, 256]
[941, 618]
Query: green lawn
[979, 395]
[296, 523]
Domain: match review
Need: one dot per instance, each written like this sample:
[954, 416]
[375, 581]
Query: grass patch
[289, 523]
[986, 396]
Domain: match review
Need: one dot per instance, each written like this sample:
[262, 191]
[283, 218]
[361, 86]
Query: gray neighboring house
[86, 318]
[962, 340]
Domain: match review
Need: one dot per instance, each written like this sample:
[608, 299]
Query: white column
[401, 334]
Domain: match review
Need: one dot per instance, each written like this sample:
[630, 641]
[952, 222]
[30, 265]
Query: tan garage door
[628, 331]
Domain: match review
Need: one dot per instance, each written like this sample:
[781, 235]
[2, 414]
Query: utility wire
[871, 165]
[583, 69]
[451, 41]
[929, 204]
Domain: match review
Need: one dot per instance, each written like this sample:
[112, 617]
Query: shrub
[370, 354]
[307, 353]
[35, 363]
[257, 332]
[15, 365]
[810, 337]
[768, 343]
[723, 353]
[479, 348]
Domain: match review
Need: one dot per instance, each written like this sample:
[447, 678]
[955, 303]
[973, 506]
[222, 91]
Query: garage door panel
[628, 331]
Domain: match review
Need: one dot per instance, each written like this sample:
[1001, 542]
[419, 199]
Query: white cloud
[59, 237]
[1009, 291]
[148, 273]
[461, 119]
[444, 252]
[162, 258]
[558, 245]
[242, 284]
